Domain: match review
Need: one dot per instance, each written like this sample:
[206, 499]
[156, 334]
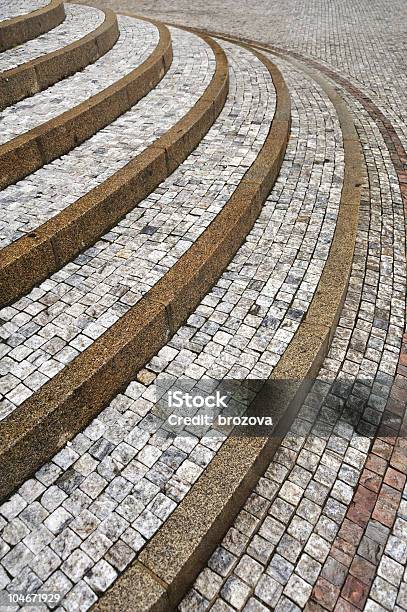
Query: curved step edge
[64, 406]
[30, 151]
[171, 561]
[32, 258]
[27, 79]
[25, 27]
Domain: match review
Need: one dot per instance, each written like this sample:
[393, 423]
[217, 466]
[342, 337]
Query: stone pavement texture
[90, 164]
[326, 526]
[79, 22]
[68, 93]
[77, 304]
[9, 10]
[364, 41]
[87, 519]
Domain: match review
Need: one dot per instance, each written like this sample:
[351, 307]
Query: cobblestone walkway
[79, 21]
[363, 41]
[133, 256]
[9, 10]
[68, 93]
[325, 528]
[90, 164]
[115, 514]
[156, 473]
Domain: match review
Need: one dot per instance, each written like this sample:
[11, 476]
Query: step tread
[10, 10]
[131, 258]
[72, 91]
[80, 21]
[93, 162]
[161, 475]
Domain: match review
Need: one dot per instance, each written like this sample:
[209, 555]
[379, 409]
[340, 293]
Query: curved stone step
[18, 29]
[326, 505]
[222, 477]
[84, 37]
[17, 8]
[118, 475]
[115, 84]
[150, 141]
[137, 335]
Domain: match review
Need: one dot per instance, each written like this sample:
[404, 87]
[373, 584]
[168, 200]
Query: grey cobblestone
[90, 164]
[374, 38]
[182, 470]
[366, 345]
[335, 455]
[68, 93]
[79, 22]
[101, 497]
[9, 10]
[77, 304]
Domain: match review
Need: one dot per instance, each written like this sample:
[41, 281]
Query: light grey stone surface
[14, 8]
[52, 188]
[91, 509]
[45, 105]
[66, 314]
[317, 467]
[79, 22]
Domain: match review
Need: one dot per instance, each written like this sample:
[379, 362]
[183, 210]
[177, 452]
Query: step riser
[29, 152]
[37, 75]
[33, 259]
[79, 392]
[26, 27]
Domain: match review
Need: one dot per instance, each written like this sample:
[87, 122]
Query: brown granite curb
[67, 403]
[31, 259]
[30, 151]
[172, 559]
[38, 74]
[18, 30]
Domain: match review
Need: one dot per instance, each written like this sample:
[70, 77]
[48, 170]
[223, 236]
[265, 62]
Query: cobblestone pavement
[123, 476]
[69, 311]
[314, 530]
[79, 21]
[68, 93]
[8, 9]
[98, 158]
[365, 41]
[326, 527]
